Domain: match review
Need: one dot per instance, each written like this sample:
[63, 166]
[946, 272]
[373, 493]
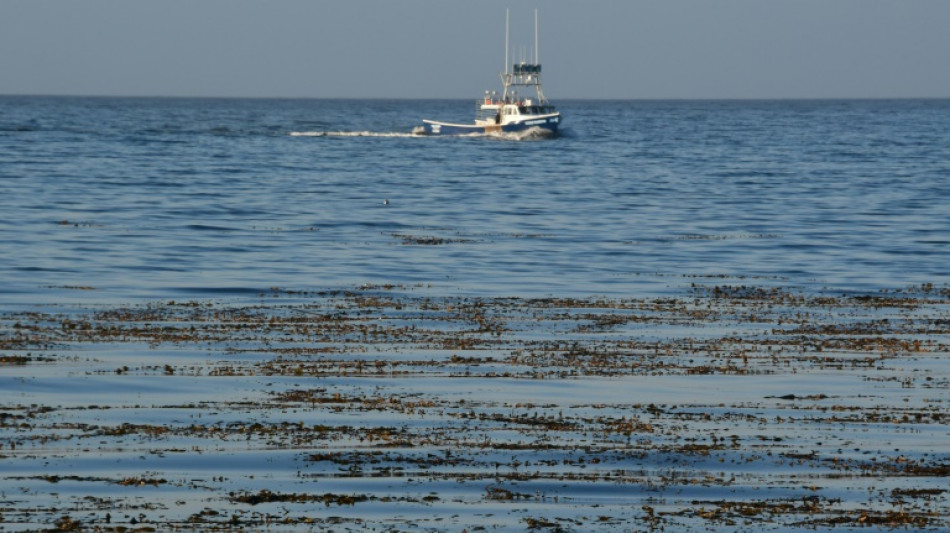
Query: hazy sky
[454, 48]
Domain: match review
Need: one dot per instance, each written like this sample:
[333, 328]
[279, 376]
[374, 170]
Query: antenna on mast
[506, 40]
[536, 52]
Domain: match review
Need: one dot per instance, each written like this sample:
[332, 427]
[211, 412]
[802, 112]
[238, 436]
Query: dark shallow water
[142, 198]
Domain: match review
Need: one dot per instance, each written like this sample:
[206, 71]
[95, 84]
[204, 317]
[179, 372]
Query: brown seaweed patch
[543, 523]
[889, 519]
[428, 240]
[17, 360]
[916, 493]
[328, 499]
[67, 523]
[71, 287]
[141, 482]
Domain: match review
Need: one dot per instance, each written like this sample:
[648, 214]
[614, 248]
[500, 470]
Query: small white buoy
[386, 201]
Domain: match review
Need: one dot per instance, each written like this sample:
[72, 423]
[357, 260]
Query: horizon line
[449, 99]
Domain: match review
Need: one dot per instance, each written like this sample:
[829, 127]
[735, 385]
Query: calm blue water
[117, 200]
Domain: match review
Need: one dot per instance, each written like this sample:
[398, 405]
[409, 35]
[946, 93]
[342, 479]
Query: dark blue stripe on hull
[548, 125]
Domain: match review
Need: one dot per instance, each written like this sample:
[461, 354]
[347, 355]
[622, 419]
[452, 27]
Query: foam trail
[526, 135]
[350, 134]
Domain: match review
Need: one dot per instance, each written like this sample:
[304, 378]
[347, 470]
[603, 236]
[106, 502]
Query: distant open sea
[126, 199]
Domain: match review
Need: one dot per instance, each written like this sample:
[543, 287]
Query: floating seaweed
[734, 407]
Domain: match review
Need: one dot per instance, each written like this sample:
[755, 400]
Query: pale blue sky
[455, 49]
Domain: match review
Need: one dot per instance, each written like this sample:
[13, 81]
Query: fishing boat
[510, 111]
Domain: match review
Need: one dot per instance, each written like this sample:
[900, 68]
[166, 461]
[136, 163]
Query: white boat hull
[548, 123]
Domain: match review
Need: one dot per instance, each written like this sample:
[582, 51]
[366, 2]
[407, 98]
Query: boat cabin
[492, 111]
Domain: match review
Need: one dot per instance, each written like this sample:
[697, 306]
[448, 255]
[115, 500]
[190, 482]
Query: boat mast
[505, 76]
[536, 49]
[506, 41]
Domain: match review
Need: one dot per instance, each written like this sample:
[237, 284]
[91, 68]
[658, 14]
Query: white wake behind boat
[509, 112]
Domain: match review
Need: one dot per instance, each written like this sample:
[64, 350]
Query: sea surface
[166, 198]
[295, 315]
